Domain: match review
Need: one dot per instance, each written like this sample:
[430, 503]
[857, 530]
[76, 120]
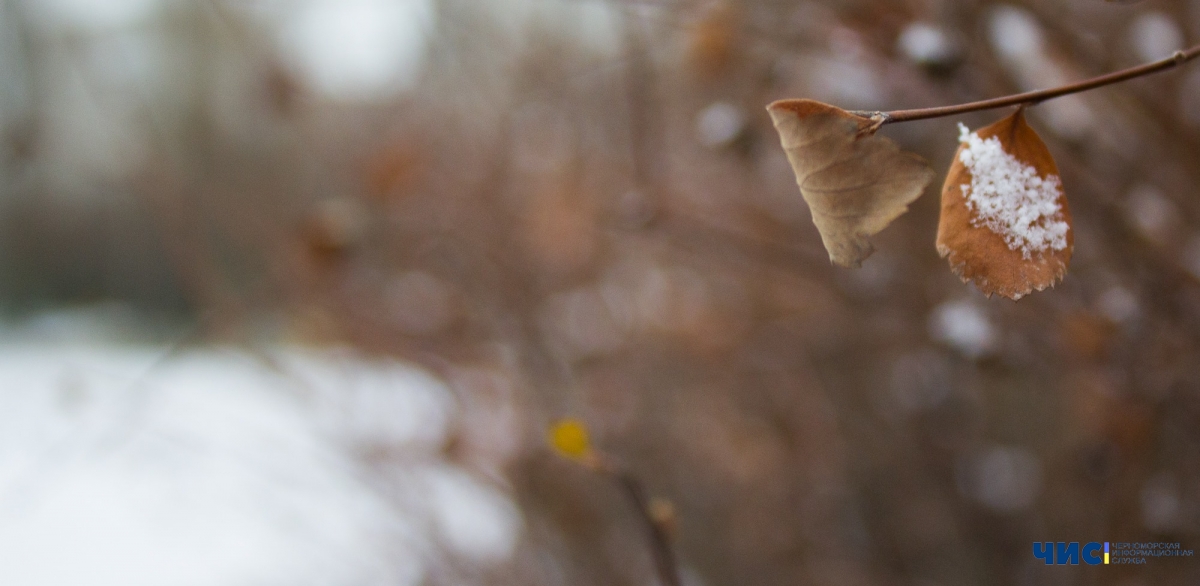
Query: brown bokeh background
[583, 210]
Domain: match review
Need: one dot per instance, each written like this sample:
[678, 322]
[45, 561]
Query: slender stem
[1179, 58]
[660, 544]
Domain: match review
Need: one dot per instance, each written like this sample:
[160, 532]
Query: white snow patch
[359, 50]
[475, 520]
[1004, 478]
[122, 466]
[925, 43]
[1162, 505]
[1010, 198]
[851, 83]
[1015, 33]
[1155, 36]
[1019, 41]
[1118, 304]
[965, 327]
[1152, 212]
[720, 124]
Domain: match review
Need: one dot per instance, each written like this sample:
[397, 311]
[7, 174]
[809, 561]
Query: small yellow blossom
[569, 437]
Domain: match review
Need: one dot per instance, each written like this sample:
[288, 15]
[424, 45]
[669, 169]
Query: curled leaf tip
[569, 437]
[854, 182]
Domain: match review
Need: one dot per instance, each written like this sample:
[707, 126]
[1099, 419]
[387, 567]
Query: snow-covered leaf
[1005, 224]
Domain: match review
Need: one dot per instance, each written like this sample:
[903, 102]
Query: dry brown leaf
[854, 182]
[1016, 236]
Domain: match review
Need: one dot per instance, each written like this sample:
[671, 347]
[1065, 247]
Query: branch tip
[1035, 97]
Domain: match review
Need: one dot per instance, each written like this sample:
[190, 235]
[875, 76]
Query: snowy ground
[127, 466]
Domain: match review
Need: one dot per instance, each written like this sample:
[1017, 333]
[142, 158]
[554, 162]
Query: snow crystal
[1009, 198]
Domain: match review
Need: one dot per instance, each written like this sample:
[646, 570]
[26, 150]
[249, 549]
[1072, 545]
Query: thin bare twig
[1034, 97]
[660, 543]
